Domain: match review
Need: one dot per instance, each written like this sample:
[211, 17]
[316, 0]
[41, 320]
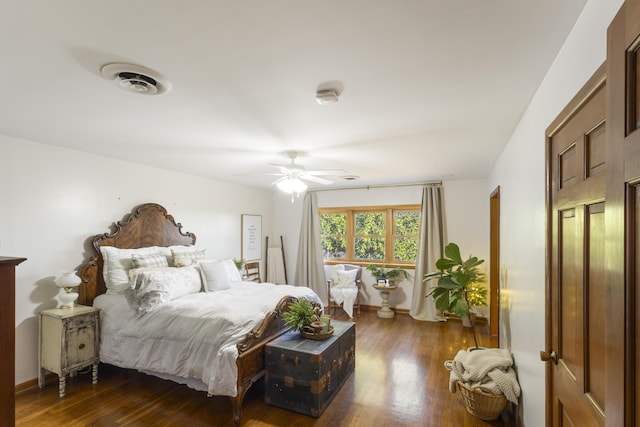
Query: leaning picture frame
[251, 237]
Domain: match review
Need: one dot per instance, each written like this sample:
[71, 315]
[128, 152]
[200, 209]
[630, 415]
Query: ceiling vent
[327, 96]
[135, 78]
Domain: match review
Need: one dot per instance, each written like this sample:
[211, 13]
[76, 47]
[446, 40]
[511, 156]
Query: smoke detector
[135, 78]
[327, 96]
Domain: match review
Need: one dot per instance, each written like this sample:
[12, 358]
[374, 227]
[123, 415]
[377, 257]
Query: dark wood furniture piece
[150, 225]
[253, 271]
[8, 340]
[304, 375]
[332, 305]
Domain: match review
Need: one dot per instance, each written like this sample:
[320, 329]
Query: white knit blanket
[490, 368]
[346, 297]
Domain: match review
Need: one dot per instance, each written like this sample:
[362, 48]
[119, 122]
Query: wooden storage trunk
[303, 375]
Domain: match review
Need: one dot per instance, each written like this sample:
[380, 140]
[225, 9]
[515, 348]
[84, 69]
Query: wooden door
[494, 264]
[576, 187]
[623, 218]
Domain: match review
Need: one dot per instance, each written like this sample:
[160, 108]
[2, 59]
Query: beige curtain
[310, 267]
[430, 249]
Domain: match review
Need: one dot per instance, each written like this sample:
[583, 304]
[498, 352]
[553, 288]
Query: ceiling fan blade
[321, 172]
[312, 178]
[285, 169]
[261, 174]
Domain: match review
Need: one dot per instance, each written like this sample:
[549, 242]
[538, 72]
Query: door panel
[621, 219]
[577, 168]
[595, 306]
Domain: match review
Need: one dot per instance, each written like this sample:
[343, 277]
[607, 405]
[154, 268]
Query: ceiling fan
[292, 175]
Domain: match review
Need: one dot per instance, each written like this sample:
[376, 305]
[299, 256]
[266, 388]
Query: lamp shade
[68, 279]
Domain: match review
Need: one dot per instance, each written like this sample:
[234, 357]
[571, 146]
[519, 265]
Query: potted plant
[386, 274]
[301, 313]
[458, 288]
[239, 263]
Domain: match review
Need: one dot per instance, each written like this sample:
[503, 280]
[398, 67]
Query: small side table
[69, 341]
[385, 312]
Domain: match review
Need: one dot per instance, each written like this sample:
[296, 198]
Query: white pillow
[345, 278]
[151, 260]
[214, 276]
[116, 266]
[183, 259]
[153, 288]
[133, 273]
[232, 270]
[176, 249]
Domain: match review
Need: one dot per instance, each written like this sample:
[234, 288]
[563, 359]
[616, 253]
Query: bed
[222, 355]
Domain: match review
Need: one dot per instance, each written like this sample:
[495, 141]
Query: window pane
[405, 249]
[369, 248]
[333, 233]
[370, 223]
[407, 222]
[333, 223]
[334, 247]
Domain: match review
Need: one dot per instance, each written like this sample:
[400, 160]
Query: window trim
[390, 234]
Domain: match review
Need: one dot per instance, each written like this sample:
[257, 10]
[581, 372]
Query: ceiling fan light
[292, 185]
[298, 186]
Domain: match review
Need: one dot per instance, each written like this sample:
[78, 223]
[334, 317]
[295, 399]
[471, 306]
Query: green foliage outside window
[369, 238]
[373, 232]
[406, 229]
[333, 235]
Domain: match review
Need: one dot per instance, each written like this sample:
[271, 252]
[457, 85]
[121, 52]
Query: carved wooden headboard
[147, 225]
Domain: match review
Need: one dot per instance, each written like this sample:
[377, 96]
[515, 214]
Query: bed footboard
[251, 352]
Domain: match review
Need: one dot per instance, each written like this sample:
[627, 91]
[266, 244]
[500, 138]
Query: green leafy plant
[386, 273]
[457, 289]
[301, 313]
[239, 263]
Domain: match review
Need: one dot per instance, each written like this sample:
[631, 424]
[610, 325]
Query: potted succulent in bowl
[458, 287]
[386, 275]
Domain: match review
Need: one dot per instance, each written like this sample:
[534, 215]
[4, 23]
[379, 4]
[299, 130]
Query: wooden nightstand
[69, 341]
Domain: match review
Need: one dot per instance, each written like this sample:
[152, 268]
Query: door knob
[547, 356]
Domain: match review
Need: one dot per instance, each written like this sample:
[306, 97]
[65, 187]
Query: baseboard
[27, 385]
[377, 307]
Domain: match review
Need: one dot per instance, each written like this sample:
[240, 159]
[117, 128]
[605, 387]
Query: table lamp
[69, 282]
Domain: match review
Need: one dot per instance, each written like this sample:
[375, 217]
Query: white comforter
[193, 337]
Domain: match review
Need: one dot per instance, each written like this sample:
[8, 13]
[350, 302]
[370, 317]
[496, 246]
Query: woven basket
[481, 402]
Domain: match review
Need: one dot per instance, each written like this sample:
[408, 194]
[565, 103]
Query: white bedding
[193, 337]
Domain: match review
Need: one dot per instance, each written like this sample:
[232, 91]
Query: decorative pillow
[134, 272]
[214, 276]
[334, 272]
[177, 249]
[152, 288]
[183, 259]
[152, 260]
[344, 278]
[116, 266]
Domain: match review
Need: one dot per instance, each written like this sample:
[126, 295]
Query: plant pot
[465, 320]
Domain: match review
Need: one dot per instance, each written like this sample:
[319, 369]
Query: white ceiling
[431, 89]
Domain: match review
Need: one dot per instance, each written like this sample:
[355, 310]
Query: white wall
[520, 174]
[54, 200]
[466, 208]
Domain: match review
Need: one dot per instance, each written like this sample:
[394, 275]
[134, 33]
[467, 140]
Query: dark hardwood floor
[399, 380]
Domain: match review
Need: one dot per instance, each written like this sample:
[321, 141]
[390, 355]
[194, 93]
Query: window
[362, 235]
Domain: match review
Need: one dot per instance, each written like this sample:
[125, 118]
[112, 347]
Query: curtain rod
[369, 187]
